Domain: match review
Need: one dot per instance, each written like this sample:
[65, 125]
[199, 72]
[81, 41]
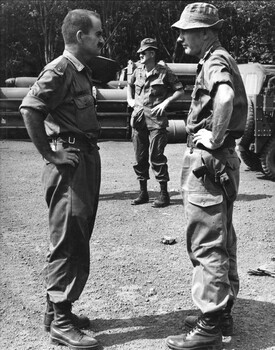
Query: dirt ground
[138, 291]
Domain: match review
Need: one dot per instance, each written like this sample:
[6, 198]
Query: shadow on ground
[130, 195]
[253, 327]
[252, 197]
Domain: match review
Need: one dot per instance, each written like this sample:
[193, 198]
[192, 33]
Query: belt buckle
[71, 140]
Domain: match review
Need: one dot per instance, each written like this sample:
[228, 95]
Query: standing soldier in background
[210, 178]
[150, 90]
[59, 114]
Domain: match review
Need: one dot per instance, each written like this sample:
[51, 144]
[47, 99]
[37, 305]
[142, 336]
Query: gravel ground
[138, 292]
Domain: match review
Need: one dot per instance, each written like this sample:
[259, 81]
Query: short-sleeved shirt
[64, 93]
[151, 89]
[216, 67]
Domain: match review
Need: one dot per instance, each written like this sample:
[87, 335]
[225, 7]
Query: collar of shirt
[78, 65]
[153, 71]
[207, 54]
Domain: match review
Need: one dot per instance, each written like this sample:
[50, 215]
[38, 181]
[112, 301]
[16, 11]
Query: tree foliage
[31, 35]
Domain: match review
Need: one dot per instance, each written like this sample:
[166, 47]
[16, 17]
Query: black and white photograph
[137, 175]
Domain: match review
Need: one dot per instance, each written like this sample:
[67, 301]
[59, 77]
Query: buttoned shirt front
[151, 89]
[63, 93]
[217, 67]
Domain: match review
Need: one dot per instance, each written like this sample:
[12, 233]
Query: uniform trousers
[210, 235]
[72, 195]
[149, 146]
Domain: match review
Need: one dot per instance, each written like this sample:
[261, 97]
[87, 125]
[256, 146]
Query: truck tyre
[248, 136]
[249, 157]
[268, 159]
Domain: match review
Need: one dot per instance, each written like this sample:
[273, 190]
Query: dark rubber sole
[139, 203]
[56, 341]
[197, 347]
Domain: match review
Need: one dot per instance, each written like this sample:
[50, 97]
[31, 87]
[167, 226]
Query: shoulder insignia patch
[61, 66]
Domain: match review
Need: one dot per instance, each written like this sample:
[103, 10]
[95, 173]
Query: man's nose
[180, 39]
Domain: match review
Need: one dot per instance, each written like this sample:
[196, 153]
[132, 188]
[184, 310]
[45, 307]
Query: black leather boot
[163, 200]
[64, 332]
[143, 196]
[206, 335]
[79, 321]
[49, 315]
[226, 320]
[226, 323]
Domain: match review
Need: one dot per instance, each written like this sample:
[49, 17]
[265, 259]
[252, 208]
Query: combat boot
[79, 321]
[226, 320]
[206, 335]
[163, 200]
[143, 196]
[64, 332]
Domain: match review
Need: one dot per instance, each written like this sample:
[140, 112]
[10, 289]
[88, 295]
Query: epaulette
[162, 63]
[58, 65]
[61, 66]
[161, 66]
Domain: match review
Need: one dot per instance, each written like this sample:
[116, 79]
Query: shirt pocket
[85, 114]
[157, 88]
[138, 87]
[84, 101]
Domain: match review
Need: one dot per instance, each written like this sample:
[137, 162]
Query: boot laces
[192, 331]
[79, 333]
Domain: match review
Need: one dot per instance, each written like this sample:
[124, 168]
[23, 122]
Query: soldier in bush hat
[210, 178]
[147, 43]
[151, 88]
[199, 15]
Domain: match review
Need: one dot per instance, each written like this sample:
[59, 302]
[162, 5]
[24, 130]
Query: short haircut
[76, 20]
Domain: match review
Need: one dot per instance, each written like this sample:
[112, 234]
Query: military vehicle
[111, 95]
[256, 147]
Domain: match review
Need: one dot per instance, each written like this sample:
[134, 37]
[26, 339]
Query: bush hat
[199, 15]
[146, 44]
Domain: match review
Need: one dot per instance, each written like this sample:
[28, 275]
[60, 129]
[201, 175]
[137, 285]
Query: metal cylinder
[176, 131]
[20, 81]
[13, 93]
[183, 68]
[112, 94]
[11, 97]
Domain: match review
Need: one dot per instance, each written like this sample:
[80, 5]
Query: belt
[229, 142]
[66, 140]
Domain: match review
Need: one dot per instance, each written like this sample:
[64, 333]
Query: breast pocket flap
[84, 101]
[205, 199]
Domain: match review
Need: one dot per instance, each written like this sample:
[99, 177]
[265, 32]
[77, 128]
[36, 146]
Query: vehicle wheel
[248, 136]
[251, 159]
[268, 159]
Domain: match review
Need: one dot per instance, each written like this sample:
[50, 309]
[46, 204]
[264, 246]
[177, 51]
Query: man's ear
[79, 36]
